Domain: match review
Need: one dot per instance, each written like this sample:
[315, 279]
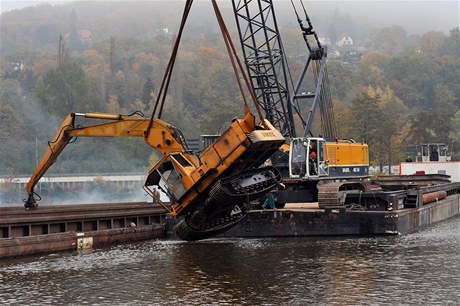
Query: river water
[417, 269]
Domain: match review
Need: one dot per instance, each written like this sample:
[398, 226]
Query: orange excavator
[209, 192]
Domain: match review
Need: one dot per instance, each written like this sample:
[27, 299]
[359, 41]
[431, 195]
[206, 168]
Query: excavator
[314, 167]
[209, 192]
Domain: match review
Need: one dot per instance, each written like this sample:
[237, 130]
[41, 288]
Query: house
[85, 35]
[344, 40]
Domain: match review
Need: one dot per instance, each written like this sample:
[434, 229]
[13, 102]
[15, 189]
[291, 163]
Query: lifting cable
[159, 103]
[234, 57]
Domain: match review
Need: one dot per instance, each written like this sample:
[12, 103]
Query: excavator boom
[163, 138]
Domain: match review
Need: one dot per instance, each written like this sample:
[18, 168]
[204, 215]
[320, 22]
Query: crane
[306, 161]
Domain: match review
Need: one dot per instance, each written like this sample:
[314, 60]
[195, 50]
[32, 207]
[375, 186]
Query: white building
[344, 40]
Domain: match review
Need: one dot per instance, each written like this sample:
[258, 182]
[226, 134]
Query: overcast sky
[416, 16]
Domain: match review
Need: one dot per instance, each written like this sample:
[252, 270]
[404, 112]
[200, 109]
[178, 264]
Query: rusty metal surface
[51, 219]
[52, 228]
[77, 241]
[46, 213]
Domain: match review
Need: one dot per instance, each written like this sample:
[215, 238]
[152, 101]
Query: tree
[451, 45]
[455, 136]
[66, 89]
[74, 39]
[431, 42]
[391, 40]
[147, 92]
[375, 127]
[421, 128]
[12, 126]
[341, 78]
[413, 78]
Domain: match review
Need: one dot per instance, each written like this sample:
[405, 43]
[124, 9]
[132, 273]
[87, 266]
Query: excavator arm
[162, 136]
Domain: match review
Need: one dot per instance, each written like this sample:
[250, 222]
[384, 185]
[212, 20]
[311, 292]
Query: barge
[55, 228]
[385, 206]
[388, 209]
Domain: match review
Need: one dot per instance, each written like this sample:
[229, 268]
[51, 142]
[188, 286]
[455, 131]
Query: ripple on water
[421, 268]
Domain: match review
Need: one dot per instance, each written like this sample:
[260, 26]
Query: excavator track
[333, 195]
[228, 203]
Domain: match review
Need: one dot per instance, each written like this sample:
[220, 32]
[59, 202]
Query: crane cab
[307, 158]
[434, 152]
[315, 157]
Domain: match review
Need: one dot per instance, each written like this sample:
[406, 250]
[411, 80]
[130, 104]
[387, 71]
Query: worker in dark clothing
[313, 159]
[269, 201]
[434, 155]
[408, 159]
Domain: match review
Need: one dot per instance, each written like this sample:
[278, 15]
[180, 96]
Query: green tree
[374, 126]
[451, 44]
[455, 136]
[365, 118]
[66, 89]
[147, 92]
[413, 78]
[391, 40]
[421, 128]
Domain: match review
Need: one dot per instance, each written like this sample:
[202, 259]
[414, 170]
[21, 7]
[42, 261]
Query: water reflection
[421, 268]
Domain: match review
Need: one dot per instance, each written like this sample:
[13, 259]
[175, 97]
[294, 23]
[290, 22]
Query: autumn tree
[373, 126]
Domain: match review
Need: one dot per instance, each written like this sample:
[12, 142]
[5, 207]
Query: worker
[434, 155]
[156, 195]
[269, 201]
[312, 158]
[408, 159]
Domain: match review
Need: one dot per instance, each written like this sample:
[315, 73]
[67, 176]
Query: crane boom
[265, 62]
[309, 158]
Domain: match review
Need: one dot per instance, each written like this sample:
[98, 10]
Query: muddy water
[418, 269]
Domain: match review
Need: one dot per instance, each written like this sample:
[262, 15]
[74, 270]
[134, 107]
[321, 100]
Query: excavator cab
[307, 158]
[167, 178]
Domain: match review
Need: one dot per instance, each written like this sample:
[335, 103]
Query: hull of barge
[58, 228]
[308, 220]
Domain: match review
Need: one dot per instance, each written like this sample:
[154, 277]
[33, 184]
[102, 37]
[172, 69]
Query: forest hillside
[391, 89]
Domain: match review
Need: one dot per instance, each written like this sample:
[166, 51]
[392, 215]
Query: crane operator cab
[307, 158]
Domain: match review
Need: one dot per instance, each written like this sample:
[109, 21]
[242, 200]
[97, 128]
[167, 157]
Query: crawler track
[227, 203]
